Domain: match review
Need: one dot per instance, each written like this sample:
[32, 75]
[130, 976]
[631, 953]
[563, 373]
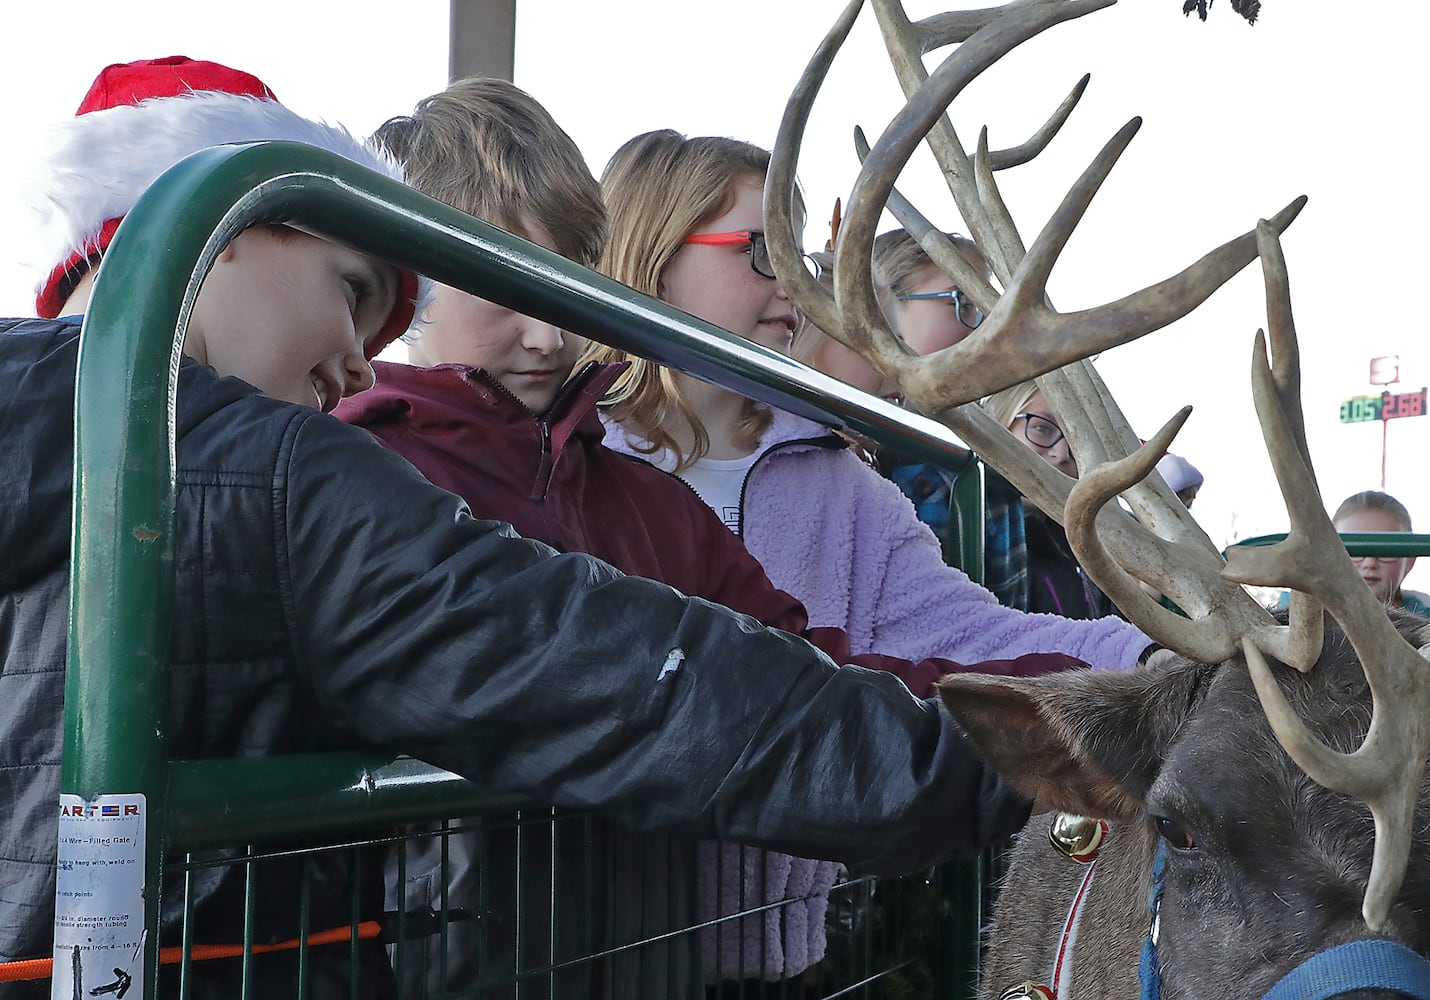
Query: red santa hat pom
[137, 121]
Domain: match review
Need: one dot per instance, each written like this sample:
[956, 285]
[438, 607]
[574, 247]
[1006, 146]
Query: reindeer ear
[1081, 742]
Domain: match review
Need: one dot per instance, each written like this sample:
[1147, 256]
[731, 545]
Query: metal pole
[1384, 435]
[482, 39]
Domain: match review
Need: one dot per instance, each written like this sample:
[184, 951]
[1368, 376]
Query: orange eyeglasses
[759, 252]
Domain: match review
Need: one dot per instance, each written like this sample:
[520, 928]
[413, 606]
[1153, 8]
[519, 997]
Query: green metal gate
[916, 936]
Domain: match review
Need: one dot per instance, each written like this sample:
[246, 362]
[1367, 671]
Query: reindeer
[1252, 759]
[1230, 766]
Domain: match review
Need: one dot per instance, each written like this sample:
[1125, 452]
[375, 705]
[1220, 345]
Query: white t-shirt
[715, 481]
[719, 483]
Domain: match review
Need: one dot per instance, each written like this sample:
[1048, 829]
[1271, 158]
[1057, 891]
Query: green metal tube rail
[123, 515]
[1401, 544]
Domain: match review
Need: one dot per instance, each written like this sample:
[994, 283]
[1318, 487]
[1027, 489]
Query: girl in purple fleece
[687, 226]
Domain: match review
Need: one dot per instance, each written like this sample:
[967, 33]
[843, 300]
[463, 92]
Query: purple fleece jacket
[847, 543]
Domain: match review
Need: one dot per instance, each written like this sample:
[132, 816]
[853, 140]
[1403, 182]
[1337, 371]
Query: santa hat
[137, 121]
[1178, 472]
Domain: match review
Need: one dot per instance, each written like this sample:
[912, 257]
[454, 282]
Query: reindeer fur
[1279, 863]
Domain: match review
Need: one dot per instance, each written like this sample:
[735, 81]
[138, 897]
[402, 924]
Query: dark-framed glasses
[968, 313]
[759, 251]
[1039, 430]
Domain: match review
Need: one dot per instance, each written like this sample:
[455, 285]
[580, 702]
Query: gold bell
[1027, 991]
[1077, 837]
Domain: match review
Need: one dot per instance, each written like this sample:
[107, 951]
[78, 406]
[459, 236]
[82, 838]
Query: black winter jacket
[329, 597]
[1057, 584]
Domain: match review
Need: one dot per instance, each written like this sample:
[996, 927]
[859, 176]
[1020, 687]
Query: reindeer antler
[1386, 771]
[1022, 335]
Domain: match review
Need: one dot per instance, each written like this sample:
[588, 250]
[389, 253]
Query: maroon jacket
[552, 480]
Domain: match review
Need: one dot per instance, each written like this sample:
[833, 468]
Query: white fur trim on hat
[93, 168]
[1178, 472]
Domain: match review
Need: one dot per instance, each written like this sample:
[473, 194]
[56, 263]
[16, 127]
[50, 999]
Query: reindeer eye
[1174, 833]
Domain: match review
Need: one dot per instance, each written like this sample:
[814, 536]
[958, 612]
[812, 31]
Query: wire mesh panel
[319, 911]
[537, 904]
[528, 904]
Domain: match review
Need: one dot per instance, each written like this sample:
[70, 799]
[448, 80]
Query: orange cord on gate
[43, 968]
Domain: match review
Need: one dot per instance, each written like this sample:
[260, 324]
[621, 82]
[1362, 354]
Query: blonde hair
[1374, 500]
[807, 337]
[660, 187]
[489, 149]
[899, 258]
[1007, 403]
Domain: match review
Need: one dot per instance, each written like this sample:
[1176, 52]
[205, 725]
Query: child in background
[497, 416]
[687, 227]
[1373, 510]
[327, 597]
[1056, 582]
[817, 349]
[930, 314]
[1184, 478]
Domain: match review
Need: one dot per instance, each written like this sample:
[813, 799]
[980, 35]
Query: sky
[1238, 120]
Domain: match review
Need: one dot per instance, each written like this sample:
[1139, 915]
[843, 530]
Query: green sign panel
[1359, 408]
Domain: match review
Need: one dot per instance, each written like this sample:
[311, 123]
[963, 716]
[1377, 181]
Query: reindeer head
[1263, 867]
[1022, 336]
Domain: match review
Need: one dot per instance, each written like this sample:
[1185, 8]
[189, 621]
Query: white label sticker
[99, 898]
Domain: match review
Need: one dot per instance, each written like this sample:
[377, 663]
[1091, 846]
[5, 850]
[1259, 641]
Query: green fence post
[964, 883]
[121, 597]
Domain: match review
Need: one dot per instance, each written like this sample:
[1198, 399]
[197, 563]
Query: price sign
[1402, 404]
[1360, 408]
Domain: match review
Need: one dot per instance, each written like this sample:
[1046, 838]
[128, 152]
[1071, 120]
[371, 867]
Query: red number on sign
[1406, 404]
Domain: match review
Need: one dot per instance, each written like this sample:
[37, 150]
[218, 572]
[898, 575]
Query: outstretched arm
[450, 639]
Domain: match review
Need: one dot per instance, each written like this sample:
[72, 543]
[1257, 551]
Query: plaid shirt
[1005, 556]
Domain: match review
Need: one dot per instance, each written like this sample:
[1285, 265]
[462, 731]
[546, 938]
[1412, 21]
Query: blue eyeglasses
[968, 313]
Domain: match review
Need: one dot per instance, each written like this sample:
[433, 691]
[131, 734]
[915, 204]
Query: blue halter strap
[1149, 969]
[1375, 964]
[1360, 965]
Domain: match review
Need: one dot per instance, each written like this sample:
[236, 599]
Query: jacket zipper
[832, 442]
[547, 463]
[542, 486]
[547, 467]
